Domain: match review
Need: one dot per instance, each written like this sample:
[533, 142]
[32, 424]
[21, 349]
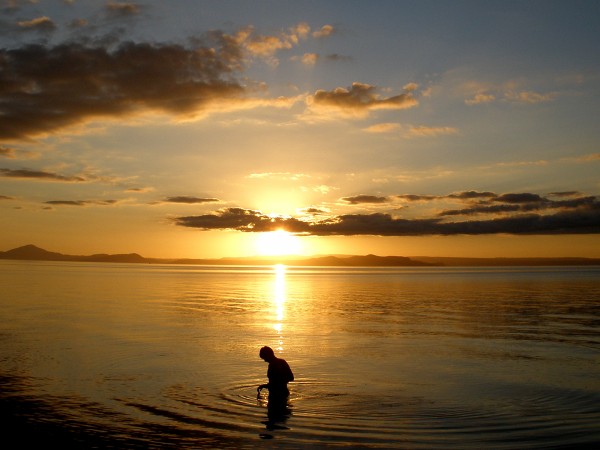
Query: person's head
[267, 353]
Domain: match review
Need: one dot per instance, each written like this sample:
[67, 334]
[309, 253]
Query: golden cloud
[359, 99]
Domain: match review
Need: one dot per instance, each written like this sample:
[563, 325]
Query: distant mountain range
[33, 253]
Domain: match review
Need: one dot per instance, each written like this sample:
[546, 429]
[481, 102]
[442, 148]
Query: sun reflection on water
[279, 301]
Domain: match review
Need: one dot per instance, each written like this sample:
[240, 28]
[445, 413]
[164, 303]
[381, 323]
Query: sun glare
[277, 243]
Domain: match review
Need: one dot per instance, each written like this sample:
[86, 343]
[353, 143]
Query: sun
[277, 243]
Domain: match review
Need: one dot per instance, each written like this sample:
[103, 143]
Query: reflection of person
[278, 373]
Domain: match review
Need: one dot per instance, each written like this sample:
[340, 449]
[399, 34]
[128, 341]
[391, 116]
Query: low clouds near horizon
[521, 213]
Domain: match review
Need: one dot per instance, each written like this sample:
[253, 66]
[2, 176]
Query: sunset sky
[199, 128]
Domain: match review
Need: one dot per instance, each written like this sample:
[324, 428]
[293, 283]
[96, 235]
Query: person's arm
[260, 388]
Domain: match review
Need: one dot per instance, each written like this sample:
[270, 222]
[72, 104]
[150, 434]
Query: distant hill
[358, 261]
[497, 262]
[33, 253]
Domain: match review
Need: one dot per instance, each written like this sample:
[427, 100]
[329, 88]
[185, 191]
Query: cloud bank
[189, 200]
[522, 213]
[39, 175]
[43, 89]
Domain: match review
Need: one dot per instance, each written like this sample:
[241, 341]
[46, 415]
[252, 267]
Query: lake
[166, 356]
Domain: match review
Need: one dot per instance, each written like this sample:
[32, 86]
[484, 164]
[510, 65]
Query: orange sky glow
[213, 129]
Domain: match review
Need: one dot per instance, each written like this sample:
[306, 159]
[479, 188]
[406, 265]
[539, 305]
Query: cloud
[325, 31]
[229, 218]
[469, 195]
[585, 220]
[411, 131]
[43, 23]
[463, 196]
[314, 211]
[311, 59]
[525, 202]
[11, 153]
[80, 202]
[322, 189]
[265, 46]
[521, 213]
[511, 91]
[359, 99]
[540, 162]
[585, 158]
[300, 31]
[43, 89]
[7, 152]
[425, 131]
[479, 99]
[519, 198]
[308, 59]
[359, 199]
[529, 97]
[278, 176]
[417, 198]
[122, 8]
[6, 197]
[139, 190]
[383, 128]
[39, 175]
[189, 200]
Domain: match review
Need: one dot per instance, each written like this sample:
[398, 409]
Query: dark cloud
[190, 200]
[588, 202]
[361, 97]
[465, 195]
[358, 199]
[229, 218]
[518, 203]
[314, 211]
[80, 202]
[43, 88]
[519, 198]
[469, 195]
[39, 175]
[581, 216]
[6, 197]
[417, 198]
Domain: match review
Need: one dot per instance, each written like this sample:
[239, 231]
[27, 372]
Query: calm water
[144, 356]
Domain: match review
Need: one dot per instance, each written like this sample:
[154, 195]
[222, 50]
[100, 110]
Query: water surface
[166, 356]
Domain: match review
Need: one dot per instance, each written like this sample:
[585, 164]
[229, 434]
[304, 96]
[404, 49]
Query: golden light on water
[279, 298]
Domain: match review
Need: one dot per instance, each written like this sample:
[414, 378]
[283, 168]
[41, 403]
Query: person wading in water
[278, 373]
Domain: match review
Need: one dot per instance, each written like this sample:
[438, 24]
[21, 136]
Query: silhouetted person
[279, 375]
